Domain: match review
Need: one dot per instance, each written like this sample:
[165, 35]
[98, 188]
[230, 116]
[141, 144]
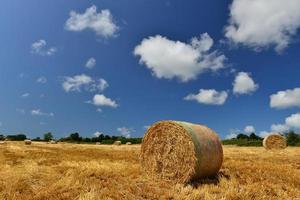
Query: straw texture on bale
[27, 142]
[274, 141]
[117, 143]
[181, 151]
[128, 143]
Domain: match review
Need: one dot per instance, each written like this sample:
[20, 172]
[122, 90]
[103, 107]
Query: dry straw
[181, 151]
[274, 141]
[117, 143]
[27, 142]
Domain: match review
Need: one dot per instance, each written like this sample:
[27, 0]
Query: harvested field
[88, 172]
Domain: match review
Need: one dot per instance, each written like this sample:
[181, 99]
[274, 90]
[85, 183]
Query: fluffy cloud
[126, 132]
[230, 136]
[293, 121]
[38, 112]
[25, 95]
[210, 96]
[260, 24]
[279, 128]
[102, 23]
[263, 134]
[42, 80]
[244, 84]
[90, 63]
[101, 100]
[40, 48]
[249, 129]
[285, 99]
[97, 134]
[83, 82]
[174, 59]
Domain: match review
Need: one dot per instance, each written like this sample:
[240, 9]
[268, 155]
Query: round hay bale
[2, 142]
[53, 142]
[274, 141]
[181, 151]
[117, 143]
[98, 143]
[27, 142]
[128, 143]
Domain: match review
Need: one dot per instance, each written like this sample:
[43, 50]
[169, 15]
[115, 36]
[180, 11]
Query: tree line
[292, 138]
[74, 138]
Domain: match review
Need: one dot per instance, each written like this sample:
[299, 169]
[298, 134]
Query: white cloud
[285, 99]
[42, 80]
[97, 134]
[210, 96]
[174, 59]
[102, 23]
[293, 121]
[101, 100]
[263, 134]
[244, 84]
[90, 63]
[279, 128]
[126, 132]
[249, 129]
[25, 95]
[40, 48]
[83, 82]
[99, 110]
[230, 136]
[38, 112]
[263, 23]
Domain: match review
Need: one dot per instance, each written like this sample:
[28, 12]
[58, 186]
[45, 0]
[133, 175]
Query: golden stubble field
[89, 172]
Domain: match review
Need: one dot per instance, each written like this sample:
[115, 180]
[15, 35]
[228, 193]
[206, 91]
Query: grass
[89, 172]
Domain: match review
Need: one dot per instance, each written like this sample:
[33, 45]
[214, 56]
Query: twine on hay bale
[274, 141]
[27, 142]
[128, 143]
[181, 151]
[117, 143]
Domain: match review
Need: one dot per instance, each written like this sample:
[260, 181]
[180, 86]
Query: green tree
[293, 139]
[254, 137]
[242, 136]
[48, 136]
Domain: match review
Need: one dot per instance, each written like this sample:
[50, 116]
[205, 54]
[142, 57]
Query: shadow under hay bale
[181, 151]
[274, 141]
[27, 142]
[213, 180]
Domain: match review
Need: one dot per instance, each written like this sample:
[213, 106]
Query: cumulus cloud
[40, 47]
[175, 59]
[244, 84]
[90, 63]
[83, 82]
[285, 99]
[210, 97]
[102, 23]
[230, 136]
[38, 112]
[293, 121]
[249, 129]
[25, 95]
[126, 132]
[42, 80]
[279, 128]
[261, 24]
[97, 134]
[263, 134]
[101, 100]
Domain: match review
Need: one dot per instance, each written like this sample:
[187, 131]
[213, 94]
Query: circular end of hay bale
[117, 143]
[27, 142]
[274, 141]
[181, 151]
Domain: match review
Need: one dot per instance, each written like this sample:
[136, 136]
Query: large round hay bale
[27, 142]
[117, 143]
[274, 141]
[181, 151]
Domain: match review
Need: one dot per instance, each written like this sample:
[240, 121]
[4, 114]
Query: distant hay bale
[274, 141]
[128, 143]
[53, 142]
[181, 151]
[2, 142]
[98, 143]
[117, 143]
[27, 142]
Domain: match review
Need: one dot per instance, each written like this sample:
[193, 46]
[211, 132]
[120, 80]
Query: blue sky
[116, 67]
